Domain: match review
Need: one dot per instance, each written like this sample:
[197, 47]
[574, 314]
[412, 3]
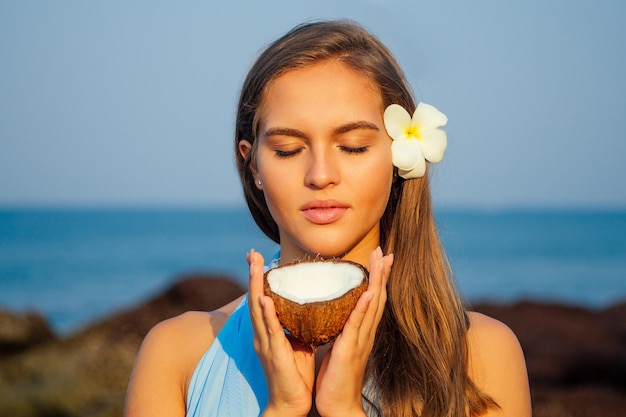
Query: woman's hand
[340, 378]
[289, 365]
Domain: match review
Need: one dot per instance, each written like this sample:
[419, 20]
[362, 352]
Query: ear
[245, 150]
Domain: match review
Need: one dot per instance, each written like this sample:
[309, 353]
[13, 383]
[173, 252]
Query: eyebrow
[348, 127]
[355, 126]
[285, 131]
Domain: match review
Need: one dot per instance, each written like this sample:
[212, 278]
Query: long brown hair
[418, 365]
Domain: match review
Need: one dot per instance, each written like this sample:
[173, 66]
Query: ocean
[78, 265]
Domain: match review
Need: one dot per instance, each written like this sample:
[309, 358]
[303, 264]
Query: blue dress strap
[229, 379]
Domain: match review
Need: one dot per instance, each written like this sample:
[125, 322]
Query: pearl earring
[259, 182]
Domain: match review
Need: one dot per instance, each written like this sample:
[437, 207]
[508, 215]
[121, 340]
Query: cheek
[380, 190]
[276, 196]
[277, 185]
[267, 168]
[379, 170]
[375, 181]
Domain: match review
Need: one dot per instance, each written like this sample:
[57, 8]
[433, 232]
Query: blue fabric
[229, 379]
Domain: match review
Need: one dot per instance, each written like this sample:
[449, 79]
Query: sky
[132, 103]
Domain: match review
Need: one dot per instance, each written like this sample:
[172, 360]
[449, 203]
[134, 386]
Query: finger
[285, 352]
[358, 317]
[376, 285]
[255, 292]
[380, 268]
[376, 269]
[274, 334]
[350, 335]
[386, 272]
[255, 263]
[274, 330]
[380, 301]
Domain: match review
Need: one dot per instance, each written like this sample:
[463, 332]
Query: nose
[322, 170]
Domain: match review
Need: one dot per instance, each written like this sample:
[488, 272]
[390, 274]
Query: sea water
[77, 265]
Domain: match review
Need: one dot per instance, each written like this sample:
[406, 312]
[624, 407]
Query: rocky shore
[576, 357]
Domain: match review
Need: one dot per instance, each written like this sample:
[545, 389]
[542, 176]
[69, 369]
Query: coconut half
[314, 299]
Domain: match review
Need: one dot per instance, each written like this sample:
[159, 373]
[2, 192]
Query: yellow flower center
[412, 132]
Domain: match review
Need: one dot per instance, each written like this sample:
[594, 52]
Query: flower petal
[406, 154]
[416, 172]
[396, 119]
[433, 144]
[427, 117]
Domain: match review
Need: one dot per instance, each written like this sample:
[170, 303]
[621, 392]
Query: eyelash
[352, 151]
[286, 154]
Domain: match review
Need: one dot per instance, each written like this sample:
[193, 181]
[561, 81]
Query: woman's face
[324, 162]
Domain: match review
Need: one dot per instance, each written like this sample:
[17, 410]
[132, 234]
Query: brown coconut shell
[317, 323]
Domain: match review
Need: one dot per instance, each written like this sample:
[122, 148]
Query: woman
[323, 177]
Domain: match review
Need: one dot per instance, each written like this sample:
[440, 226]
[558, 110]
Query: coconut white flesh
[310, 282]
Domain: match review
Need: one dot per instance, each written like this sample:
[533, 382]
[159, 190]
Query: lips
[324, 211]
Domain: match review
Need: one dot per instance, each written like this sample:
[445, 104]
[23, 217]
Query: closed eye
[354, 150]
[286, 154]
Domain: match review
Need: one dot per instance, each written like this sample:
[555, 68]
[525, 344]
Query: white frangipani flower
[415, 139]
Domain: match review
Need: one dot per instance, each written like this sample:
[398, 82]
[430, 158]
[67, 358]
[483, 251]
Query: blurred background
[117, 175]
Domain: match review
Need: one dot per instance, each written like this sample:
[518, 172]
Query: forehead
[326, 90]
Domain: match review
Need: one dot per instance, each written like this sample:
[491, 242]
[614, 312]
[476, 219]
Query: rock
[86, 374]
[19, 332]
[189, 293]
[578, 401]
[576, 358]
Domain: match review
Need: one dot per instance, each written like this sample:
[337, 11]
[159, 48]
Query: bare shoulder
[489, 328]
[167, 358]
[190, 331]
[497, 365]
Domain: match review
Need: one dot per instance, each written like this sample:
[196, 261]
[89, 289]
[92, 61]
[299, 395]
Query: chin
[328, 250]
[328, 243]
